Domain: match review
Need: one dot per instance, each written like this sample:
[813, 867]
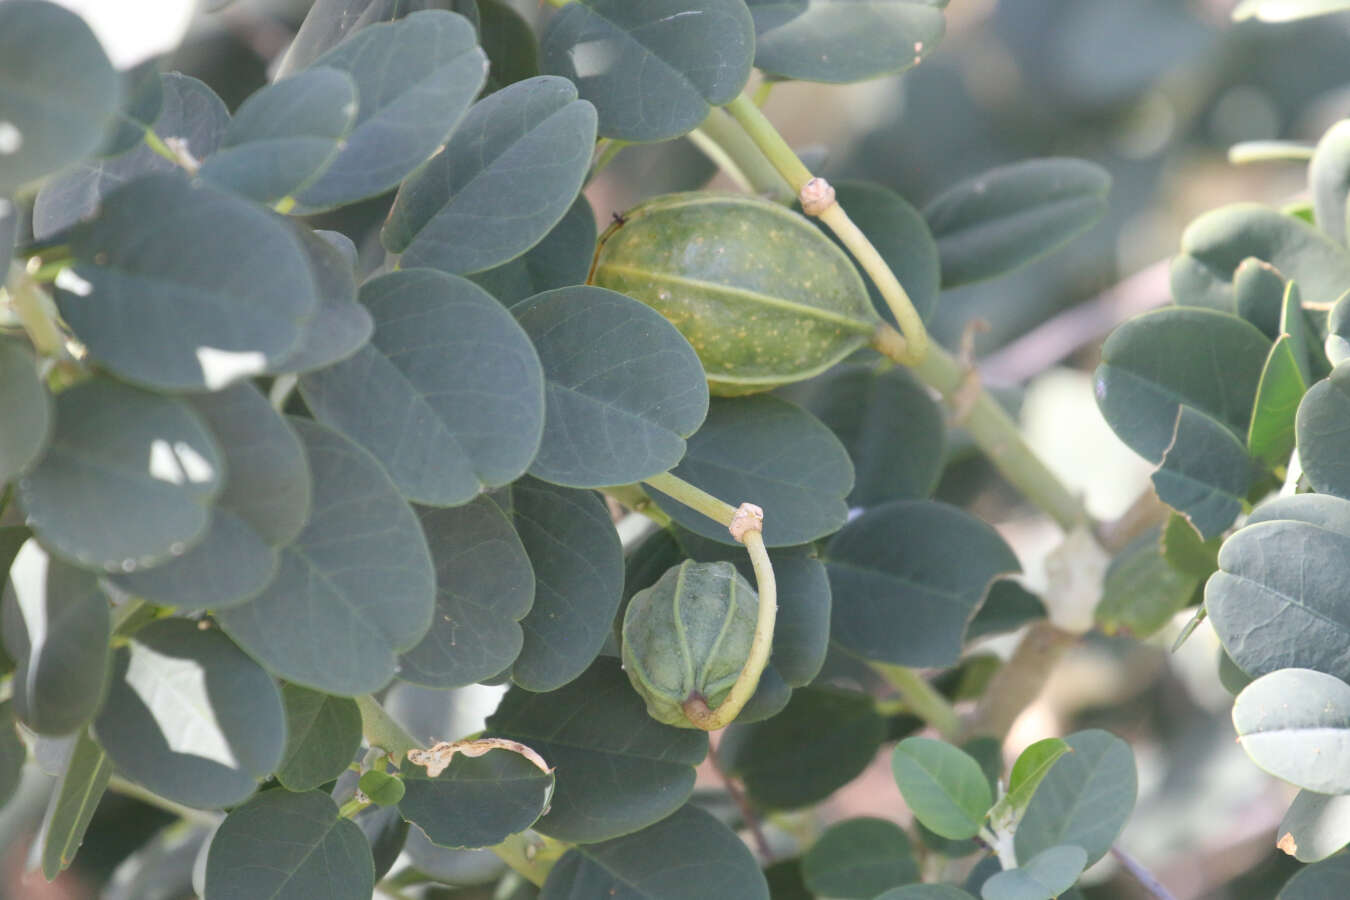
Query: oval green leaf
[484, 587]
[772, 453]
[83, 779]
[476, 801]
[1270, 435]
[1323, 433]
[561, 259]
[859, 858]
[448, 394]
[906, 577]
[356, 587]
[1005, 218]
[1142, 590]
[1043, 877]
[1258, 292]
[687, 856]
[505, 178]
[623, 387]
[1315, 826]
[1204, 473]
[510, 45]
[1323, 881]
[340, 325]
[943, 786]
[288, 846]
[652, 69]
[1295, 724]
[190, 717]
[618, 769]
[127, 481]
[25, 409]
[323, 734]
[56, 629]
[184, 286]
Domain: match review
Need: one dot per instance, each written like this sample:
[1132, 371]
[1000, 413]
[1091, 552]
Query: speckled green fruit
[761, 293]
[688, 636]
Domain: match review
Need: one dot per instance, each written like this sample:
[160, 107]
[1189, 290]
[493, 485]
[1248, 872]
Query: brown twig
[742, 802]
[1146, 879]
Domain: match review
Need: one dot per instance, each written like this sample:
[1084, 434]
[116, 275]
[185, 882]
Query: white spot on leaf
[11, 138]
[220, 368]
[69, 280]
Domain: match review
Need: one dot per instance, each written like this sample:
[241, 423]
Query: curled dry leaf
[437, 759]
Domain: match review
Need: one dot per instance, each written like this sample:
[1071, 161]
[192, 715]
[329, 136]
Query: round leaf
[839, 42]
[505, 178]
[382, 788]
[623, 387]
[448, 394]
[906, 577]
[687, 856]
[774, 454]
[1322, 427]
[190, 717]
[127, 481]
[1323, 881]
[477, 801]
[925, 892]
[1315, 826]
[618, 769]
[356, 587]
[943, 786]
[1043, 877]
[561, 259]
[652, 69]
[1204, 473]
[1005, 218]
[288, 846]
[183, 286]
[60, 91]
[56, 628]
[414, 79]
[25, 409]
[340, 325]
[484, 587]
[1085, 799]
[323, 734]
[1142, 590]
[859, 858]
[1295, 724]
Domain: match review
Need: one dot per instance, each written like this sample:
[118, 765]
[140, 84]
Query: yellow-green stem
[27, 301]
[922, 699]
[786, 161]
[695, 498]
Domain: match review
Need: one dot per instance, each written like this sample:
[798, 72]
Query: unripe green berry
[688, 636]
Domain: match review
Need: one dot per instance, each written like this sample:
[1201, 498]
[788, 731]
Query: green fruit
[382, 788]
[688, 636]
[762, 294]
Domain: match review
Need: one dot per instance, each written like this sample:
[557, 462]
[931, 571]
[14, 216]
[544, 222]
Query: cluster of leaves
[257, 478]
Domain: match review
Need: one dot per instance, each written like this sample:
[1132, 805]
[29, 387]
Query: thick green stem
[382, 731]
[633, 497]
[745, 524]
[711, 149]
[922, 699]
[735, 145]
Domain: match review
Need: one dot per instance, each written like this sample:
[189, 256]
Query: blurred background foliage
[1156, 91]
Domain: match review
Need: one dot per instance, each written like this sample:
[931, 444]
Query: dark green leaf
[285, 135]
[1315, 826]
[56, 628]
[891, 427]
[477, 801]
[652, 69]
[1215, 244]
[1233, 679]
[1085, 799]
[686, 856]
[264, 505]
[1323, 431]
[1337, 344]
[942, 785]
[168, 286]
[860, 858]
[142, 102]
[127, 481]
[785, 881]
[484, 587]
[382, 788]
[388, 833]
[838, 42]
[323, 734]
[822, 740]
[448, 394]
[1045, 876]
[906, 577]
[191, 717]
[1258, 292]
[897, 230]
[561, 259]
[1204, 473]
[1270, 436]
[12, 752]
[1323, 881]
[189, 111]
[329, 22]
[1279, 600]
[79, 789]
[1185, 551]
[505, 178]
[1007, 607]
[1005, 218]
[340, 326]
[414, 79]
[1160, 361]
[578, 567]
[618, 769]
[60, 91]
[1142, 590]
[288, 846]
[1295, 724]
[623, 387]
[510, 45]
[925, 892]
[355, 589]
[25, 408]
[772, 453]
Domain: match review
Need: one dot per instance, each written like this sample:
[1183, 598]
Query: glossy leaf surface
[1295, 724]
[942, 785]
[1085, 799]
